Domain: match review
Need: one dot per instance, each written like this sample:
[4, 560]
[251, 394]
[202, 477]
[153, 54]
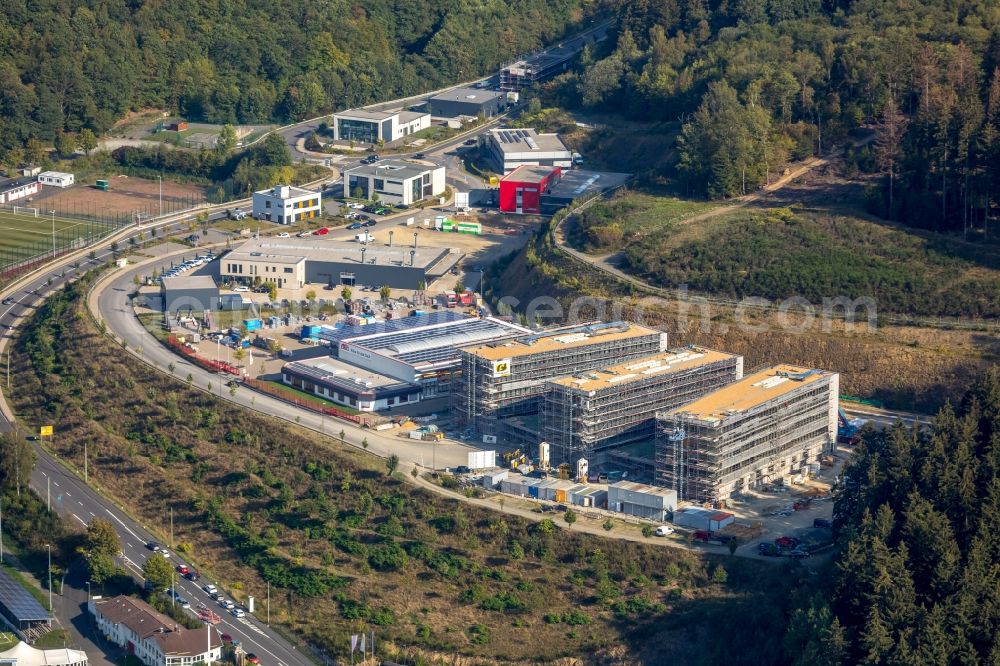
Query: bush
[388, 557]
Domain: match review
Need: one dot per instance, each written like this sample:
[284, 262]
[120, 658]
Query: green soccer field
[22, 235]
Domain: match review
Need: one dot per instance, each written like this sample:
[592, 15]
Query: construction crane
[848, 429]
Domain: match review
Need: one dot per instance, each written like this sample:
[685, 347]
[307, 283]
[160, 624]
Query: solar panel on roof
[19, 602]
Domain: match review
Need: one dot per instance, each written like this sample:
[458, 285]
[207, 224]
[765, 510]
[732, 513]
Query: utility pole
[1, 530]
[86, 476]
[53, 232]
[160, 178]
[49, 548]
[171, 527]
[48, 493]
[268, 603]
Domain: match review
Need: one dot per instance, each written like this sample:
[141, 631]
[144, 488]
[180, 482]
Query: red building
[521, 190]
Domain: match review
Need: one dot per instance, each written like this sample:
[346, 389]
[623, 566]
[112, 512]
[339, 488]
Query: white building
[395, 182]
[56, 178]
[349, 385]
[9, 193]
[373, 126]
[154, 638]
[286, 204]
[23, 654]
[511, 148]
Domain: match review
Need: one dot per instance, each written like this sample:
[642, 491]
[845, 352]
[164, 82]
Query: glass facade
[357, 186]
[363, 131]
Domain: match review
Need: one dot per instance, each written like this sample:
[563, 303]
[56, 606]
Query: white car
[238, 612]
[210, 589]
[163, 552]
[355, 206]
[241, 288]
[664, 530]
[284, 234]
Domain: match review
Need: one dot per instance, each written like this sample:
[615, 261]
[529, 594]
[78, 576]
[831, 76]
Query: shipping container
[494, 479]
[252, 324]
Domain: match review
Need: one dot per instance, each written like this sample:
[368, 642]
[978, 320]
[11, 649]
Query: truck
[449, 299]
[236, 214]
[364, 238]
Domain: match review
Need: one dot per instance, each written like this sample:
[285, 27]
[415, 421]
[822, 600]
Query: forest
[751, 83]
[918, 523]
[251, 61]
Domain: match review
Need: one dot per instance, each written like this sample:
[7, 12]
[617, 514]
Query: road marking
[55, 483]
[92, 515]
[78, 501]
[68, 495]
[123, 524]
[80, 519]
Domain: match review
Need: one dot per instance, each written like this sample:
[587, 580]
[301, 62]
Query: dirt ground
[128, 195]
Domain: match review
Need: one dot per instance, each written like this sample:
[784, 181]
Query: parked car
[401, 206]
[664, 530]
[284, 234]
[799, 554]
[768, 549]
[418, 156]
[470, 142]
[354, 225]
[462, 469]
[322, 231]
[368, 223]
[241, 288]
[261, 290]
[8, 301]
[252, 658]
[822, 522]
[702, 535]
[382, 210]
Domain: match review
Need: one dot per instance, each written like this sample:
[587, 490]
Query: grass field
[23, 236]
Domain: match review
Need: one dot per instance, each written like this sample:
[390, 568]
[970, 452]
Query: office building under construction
[617, 405]
[507, 378]
[765, 427]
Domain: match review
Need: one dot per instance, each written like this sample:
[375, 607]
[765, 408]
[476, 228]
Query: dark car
[368, 223]
[8, 301]
[192, 575]
[799, 554]
[470, 142]
[153, 546]
[354, 225]
[401, 206]
[418, 156]
[822, 522]
[769, 550]
[462, 469]
[193, 238]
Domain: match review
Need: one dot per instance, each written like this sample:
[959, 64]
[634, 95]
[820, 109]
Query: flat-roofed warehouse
[617, 405]
[293, 262]
[769, 425]
[508, 378]
[470, 102]
[422, 350]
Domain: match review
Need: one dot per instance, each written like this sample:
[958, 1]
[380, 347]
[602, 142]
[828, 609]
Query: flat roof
[366, 115]
[350, 376]
[467, 95]
[749, 392]
[526, 141]
[409, 116]
[574, 183]
[286, 192]
[669, 362]
[390, 169]
[190, 282]
[528, 173]
[55, 174]
[293, 250]
[635, 487]
[564, 339]
[437, 344]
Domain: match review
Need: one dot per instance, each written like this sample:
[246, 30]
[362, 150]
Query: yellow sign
[501, 368]
[45, 431]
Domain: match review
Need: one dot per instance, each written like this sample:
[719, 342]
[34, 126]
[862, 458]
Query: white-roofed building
[56, 178]
[23, 654]
[286, 204]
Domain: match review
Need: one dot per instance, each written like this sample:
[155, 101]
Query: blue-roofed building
[421, 350]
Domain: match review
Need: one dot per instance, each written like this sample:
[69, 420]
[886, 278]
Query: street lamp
[53, 232]
[160, 179]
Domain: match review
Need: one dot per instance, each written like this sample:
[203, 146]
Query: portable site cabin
[697, 518]
[56, 178]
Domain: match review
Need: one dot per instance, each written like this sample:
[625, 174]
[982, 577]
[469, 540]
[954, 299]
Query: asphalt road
[75, 500]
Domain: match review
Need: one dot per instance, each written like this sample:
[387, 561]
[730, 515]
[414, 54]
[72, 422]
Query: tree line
[918, 521]
[751, 83]
[275, 60]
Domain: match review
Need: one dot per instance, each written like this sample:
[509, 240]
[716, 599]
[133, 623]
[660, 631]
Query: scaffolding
[506, 379]
[748, 434]
[617, 406]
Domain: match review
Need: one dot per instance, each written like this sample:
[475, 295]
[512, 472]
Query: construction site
[508, 378]
[765, 427]
[615, 406]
